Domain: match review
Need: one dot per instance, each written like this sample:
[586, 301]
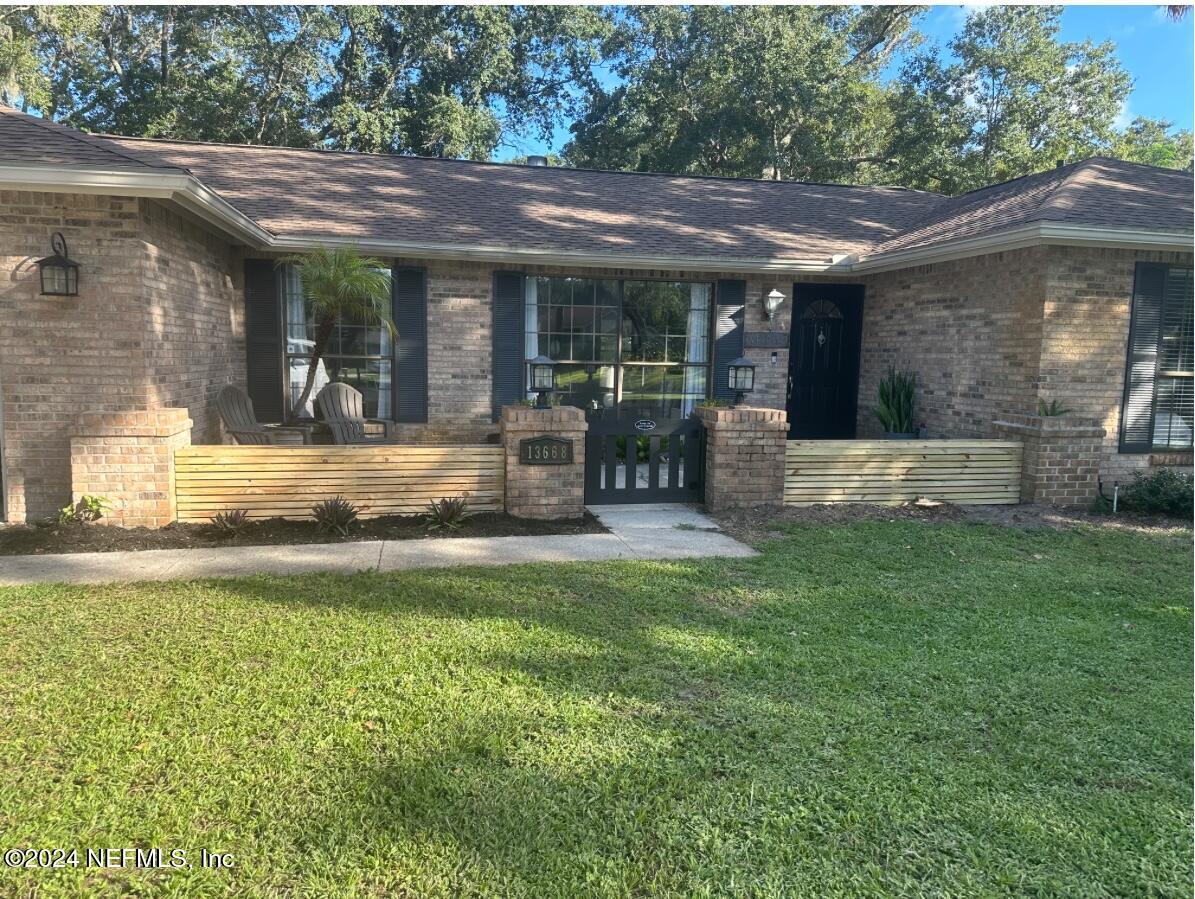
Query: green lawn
[879, 707]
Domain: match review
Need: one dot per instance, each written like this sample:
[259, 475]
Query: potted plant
[895, 408]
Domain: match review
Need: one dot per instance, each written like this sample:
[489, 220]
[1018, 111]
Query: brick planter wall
[544, 491]
[128, 458]
[1061, 462]
[744, 457]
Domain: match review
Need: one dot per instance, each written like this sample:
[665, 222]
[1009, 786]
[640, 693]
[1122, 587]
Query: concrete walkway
[637, 532]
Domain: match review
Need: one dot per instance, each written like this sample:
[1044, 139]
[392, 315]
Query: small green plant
[1052, 409]
[230, 523]
[895, 408]
[1163, 491]
[447, 514]
[88, 508]
[713, 403]
[335, 515]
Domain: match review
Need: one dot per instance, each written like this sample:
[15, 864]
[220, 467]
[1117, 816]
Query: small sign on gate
[545, 451]
[645, 425]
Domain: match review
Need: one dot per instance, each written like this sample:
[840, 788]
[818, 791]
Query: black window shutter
[265, 356]
[728, 334]
[1137, 413]
[409, 303]
[508, 343]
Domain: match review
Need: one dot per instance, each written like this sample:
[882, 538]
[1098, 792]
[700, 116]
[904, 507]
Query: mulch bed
[754, 525]
[79, 538]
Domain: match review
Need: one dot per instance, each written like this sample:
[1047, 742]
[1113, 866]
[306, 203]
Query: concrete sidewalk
[645, 533]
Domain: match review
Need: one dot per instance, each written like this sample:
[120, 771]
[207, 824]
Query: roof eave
[535, 256]
[1028, 235]
[177, 186]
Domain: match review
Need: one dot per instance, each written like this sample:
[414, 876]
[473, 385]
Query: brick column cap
[1051, 425]
[752, 417]
[166, 422]
[558, 419]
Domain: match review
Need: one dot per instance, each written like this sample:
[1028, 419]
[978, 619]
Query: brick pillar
[1061, 460]
[744, 456]
[128, 458]
[544, 491]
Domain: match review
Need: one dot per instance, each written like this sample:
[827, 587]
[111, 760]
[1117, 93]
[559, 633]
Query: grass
[878, 708]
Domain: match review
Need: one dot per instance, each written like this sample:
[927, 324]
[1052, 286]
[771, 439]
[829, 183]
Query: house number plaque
[545, 451]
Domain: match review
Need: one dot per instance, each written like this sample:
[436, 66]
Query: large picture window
[640, 347]
[1159, 412]
[361, 356]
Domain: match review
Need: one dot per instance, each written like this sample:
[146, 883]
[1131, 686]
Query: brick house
[1073, 284]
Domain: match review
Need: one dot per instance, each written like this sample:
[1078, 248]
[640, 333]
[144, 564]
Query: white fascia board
[532, 256]
[181, 187]
[1032, 234]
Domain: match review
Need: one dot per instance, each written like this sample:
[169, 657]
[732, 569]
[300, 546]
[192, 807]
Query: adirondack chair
[343, 411]
[236, 411]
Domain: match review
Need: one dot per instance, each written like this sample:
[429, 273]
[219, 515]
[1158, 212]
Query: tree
[438, 81]
[1016, 101]
[751, 91]
[339, 284]
[1151, 141]
[456, 80]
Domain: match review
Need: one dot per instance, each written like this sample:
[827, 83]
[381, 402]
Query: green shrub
[448, 514]
[230, 523]
[88, 508]
[1163, 491]
[335, 515]
[895, 409]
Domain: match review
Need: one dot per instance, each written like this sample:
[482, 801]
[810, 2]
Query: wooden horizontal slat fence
[285, 481]
[986, 472]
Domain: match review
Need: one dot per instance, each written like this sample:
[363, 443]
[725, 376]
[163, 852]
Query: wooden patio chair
[343, 411]
[236, 411]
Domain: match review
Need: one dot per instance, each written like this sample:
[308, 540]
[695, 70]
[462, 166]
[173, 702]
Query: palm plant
[339, 284]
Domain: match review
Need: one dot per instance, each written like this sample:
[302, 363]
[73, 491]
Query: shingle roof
[376, 198]
[1095, 192]
[33, 141]
[360, 196]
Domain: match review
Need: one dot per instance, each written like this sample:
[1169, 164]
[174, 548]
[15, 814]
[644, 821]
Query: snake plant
[895, 409]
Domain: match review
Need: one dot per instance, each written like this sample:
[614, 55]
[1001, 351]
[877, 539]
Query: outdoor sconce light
[742, 377]
[543, 379]
[59, 276]
[772, 302]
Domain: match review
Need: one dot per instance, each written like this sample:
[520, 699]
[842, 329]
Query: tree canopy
[843, 94]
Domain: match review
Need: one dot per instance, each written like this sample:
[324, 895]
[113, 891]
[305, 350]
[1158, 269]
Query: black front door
[823, 361]
[643, 459]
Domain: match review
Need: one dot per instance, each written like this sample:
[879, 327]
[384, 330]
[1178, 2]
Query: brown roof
[32, 141]
[376, 198]
[1095, 192]
[406, 198]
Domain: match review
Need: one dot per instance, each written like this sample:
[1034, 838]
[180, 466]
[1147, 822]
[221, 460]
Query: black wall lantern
[543, 379]
[59, 276]
[742, 377]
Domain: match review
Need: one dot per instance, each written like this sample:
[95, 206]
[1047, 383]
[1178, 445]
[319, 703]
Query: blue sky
[1158, 53]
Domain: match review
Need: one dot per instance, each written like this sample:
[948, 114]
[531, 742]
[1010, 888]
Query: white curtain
[531, 326]
[697, 348]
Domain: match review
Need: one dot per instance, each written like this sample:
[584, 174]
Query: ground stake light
[543, 379]
[742, 378]
[59, 275]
